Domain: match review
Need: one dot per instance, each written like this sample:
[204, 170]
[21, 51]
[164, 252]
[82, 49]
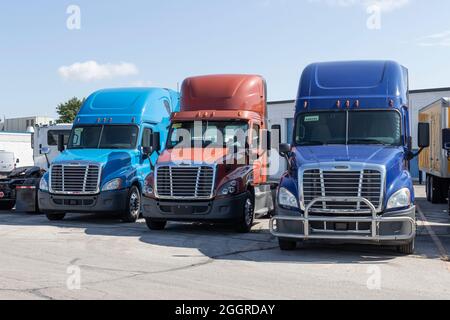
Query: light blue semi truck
[109, 154]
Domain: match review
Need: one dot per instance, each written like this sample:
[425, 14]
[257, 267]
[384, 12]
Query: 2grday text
[225, 310]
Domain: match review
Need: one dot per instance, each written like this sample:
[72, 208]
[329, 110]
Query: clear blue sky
[163, 42]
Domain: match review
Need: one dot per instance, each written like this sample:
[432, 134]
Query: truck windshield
[103, 137]
[207, 134]
[349, 127]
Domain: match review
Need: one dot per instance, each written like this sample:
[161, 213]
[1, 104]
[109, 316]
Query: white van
[7, 162]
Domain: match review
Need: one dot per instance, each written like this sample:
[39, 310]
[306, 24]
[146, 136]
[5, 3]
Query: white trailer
[20, 145]
[46, 137]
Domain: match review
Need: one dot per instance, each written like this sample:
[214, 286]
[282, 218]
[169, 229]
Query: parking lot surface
[91, 257]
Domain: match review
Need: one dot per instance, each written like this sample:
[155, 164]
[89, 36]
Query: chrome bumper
[353, 235]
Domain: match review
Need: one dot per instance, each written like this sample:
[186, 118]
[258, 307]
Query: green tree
[68, 110]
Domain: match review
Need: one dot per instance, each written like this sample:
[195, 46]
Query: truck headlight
[229, 188]
[114, 184]
[287, 199]
[43, 185]
[148, 188]
[400, 199]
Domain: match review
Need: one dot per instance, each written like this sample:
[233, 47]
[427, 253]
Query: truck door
[143, 168]
[435, 147]
[257, 155]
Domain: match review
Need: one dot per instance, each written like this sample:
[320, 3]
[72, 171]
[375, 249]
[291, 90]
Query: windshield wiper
[311, 143]
[367, 141]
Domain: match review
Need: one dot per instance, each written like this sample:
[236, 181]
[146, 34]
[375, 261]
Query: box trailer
[434, 160]
[20, 145]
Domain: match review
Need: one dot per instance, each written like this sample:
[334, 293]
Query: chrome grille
[185, 182]
[74, 179]
[319, 183]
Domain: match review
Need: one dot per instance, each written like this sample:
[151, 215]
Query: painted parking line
[441, 249]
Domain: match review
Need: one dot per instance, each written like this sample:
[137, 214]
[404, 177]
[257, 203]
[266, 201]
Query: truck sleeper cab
[107, 158]
[214, 166]
[348, 177]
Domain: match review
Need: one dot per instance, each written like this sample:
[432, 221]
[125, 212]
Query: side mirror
[155, 142]
[276, 132]
[446, 139]
[424, 135]
[285, 148]
[45, 150]
[447, 146]
[61, 146]
[266, 140]
[146, 152]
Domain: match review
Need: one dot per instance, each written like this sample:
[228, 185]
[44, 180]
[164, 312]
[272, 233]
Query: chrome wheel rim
[248, 212]
[135, 204]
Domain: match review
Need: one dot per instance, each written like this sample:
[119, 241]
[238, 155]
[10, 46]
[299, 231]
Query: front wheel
[248, 216]
[133, 209]
[407, 248]
[55, 216]
[435, 190]
[155, 225]
[7, 205]
[287, 245]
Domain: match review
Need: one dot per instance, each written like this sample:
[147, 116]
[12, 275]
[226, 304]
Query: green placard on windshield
[312, 119]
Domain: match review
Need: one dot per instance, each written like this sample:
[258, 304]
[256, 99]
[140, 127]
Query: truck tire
[155, 225]
[7, 205]
[435, 190]
[133, 209]
[448, 201]
[427, 188]
[407, 249]
[245, 223]
[287, 245]
[55, 216]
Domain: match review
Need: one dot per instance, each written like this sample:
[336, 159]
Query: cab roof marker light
[357, 104]
[347, 104]
[305, 104]
[338, 104]
[391, 103]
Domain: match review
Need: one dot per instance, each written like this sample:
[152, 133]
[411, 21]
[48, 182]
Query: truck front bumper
[218, 210]
[111, 201]
[390, 228]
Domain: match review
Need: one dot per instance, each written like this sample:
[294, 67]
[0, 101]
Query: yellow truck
[434, 161]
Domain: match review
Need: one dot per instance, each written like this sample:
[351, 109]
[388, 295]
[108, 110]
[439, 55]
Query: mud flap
[263, 200]
[26, 199]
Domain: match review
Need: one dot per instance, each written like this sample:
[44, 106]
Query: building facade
[23, 124]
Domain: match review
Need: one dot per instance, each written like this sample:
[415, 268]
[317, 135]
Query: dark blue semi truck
[348, 177]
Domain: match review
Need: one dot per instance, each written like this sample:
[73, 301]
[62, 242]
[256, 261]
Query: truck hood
[379, 155]
[189, 155]
[116, 158]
